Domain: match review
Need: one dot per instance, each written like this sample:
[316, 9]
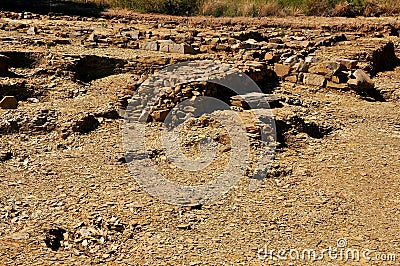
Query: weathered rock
[276, 45]
[314, 80]
[337, 86]
[327, 69]
[255, 100]
[292, 60]
[311, 60]
[169, 46]
[134, 35]
[9, 102]
[166, 45]
[93, 37]
[353, 83]
[340, 77]
[160, 115]
[151, 46]
[32, 30]
[183, 49]
[209, 48]
[282, 70]
[291, 78]
[361, 81]
[348, 63]
[271, 57]
[277, 40]
[249, 44]
[302, 66]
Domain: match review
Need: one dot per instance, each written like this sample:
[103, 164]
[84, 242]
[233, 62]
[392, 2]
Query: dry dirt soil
[66, 193]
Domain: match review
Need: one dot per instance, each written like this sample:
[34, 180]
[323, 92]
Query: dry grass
[216, 8]
[98, 2]
[247, 8]
[271, 9]
[378, 8]
[255, 8]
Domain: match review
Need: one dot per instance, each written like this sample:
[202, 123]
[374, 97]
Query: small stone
[292, 60]
[184, 226]
[9, 102]
[275, 46]
[311, 59]
[207, 48]
[33, 100]
[276, 40]
[302, 66]
[282, 70]
[340, 77]
[93, 37]
[314, 80]
[32, 30]
[327, 69]
[291, 78]
[361, 81]
[349, 64]
[306, 44]
[19, 236]
[250, 44]
[160, 115]
[271, 57]
[183, 49]
[353, 83]
[133, 35]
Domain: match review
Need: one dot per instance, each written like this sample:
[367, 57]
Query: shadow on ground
[51, 6]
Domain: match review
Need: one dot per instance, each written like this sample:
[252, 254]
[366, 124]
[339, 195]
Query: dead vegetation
[257, 8]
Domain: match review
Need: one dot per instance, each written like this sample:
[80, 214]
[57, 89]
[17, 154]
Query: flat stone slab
[9, 102]
[255, 100]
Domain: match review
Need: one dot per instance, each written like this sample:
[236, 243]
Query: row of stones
[338, 68]
[341, 74]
